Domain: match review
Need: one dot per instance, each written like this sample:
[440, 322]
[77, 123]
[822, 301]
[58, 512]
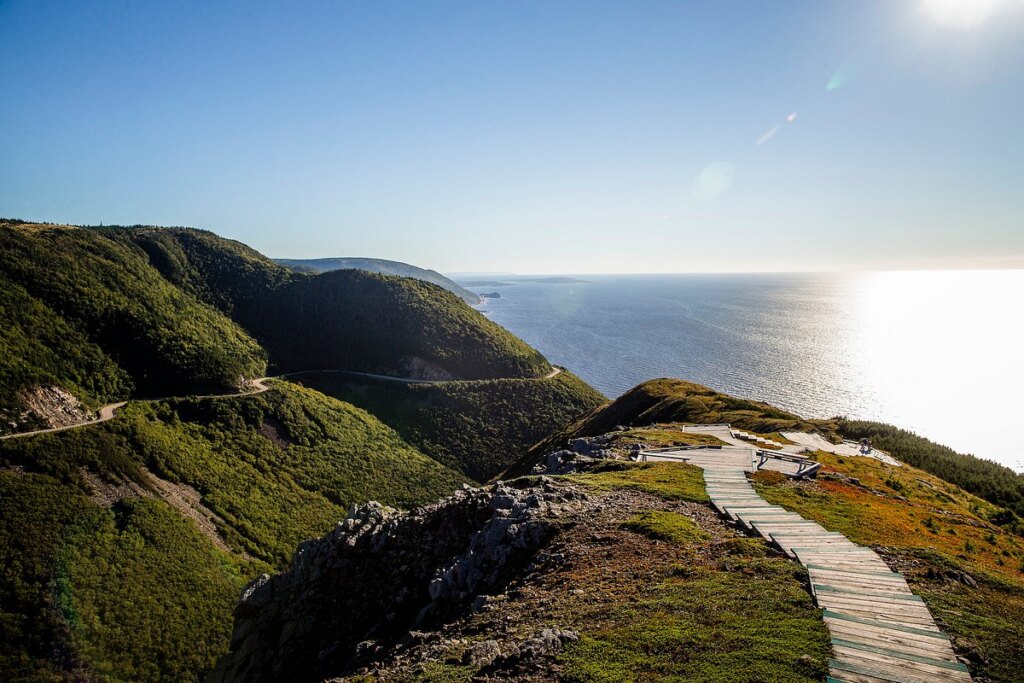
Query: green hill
[478, 427]
[123, 546]
[339, 319]
[382, 266]
[673, 400]
[104, 306]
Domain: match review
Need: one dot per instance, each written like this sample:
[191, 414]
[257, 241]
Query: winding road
[109, 411]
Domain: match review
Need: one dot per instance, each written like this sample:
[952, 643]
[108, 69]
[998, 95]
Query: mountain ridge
[383, 266]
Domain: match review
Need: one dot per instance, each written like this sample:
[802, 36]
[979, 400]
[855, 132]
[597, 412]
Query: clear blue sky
[530, 136]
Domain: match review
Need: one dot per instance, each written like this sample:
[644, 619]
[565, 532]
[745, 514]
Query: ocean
[935, 352]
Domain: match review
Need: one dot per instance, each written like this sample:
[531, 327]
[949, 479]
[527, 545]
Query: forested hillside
[102, 305]
[478, 427]
[340, 319]
[123, 546]
[382, 266]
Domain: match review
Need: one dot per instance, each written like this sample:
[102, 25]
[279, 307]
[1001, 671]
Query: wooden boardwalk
[880, 630]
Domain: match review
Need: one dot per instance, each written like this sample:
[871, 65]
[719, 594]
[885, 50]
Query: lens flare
[845, 74]
[713, 180]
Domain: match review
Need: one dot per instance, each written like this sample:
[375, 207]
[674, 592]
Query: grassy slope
[477, 427]
[991, 481]
[932, 531]
[343, 319]
[135, 591]
[658, 590]
[104, 289]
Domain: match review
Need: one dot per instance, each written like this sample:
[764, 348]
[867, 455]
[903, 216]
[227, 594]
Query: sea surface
[938, 352]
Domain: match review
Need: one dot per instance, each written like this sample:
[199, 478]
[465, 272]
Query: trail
[881, 631]
[406, 380]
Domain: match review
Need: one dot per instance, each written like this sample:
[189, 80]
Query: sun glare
[963, 14]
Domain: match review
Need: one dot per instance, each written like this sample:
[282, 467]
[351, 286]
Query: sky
[530, 137]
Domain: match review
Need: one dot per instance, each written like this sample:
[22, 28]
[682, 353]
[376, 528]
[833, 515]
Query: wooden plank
[883, 653]
[850, 630]
[865, 579]
[852, 550]
[866, 673]
[933, 648]
[827, 568]
[898, 665]
[894, 617]
[897, 608]
[897, 595]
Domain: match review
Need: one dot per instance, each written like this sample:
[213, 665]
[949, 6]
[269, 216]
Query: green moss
[666, 526]
[754, 622]
[670, 481]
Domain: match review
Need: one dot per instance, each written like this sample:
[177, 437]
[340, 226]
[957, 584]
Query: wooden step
[857, 672]
[901, 664]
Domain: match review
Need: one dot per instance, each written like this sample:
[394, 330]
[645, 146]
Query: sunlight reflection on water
[935, 352]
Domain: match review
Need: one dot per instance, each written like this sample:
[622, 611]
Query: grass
[666, 526]
[667, 480]
[723, 612]
[748, 620]
[660, 436]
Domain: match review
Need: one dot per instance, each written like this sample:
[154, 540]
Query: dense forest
[113, 308]
[348, 319]
[478, 427]
[102, 562]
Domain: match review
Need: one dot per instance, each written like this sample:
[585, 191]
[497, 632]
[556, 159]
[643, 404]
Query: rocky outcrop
[580, 454]
[414, 367]
[47, 406]
[381, 573]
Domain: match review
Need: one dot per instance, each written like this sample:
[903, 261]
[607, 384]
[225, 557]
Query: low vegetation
[666, 526]
[968, 569]
[993, 482]
[665, 480]
[718, 607]
[675, 401]
[479, 428]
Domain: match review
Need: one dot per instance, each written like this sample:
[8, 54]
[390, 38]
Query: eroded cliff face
[46, 406]
[382, 574]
